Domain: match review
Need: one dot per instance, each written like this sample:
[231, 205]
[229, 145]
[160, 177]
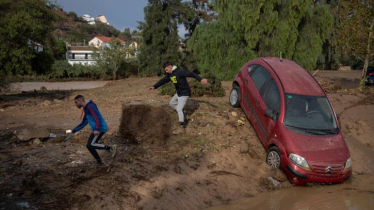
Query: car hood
[331, 149]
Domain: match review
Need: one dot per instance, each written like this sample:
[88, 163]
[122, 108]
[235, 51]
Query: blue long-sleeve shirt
[93, 117]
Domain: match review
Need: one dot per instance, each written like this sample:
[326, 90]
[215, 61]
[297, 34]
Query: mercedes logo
[328, 170]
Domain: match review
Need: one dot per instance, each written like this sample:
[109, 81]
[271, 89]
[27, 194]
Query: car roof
[294, 78]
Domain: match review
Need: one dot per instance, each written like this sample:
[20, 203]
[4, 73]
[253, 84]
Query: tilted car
[293, 119]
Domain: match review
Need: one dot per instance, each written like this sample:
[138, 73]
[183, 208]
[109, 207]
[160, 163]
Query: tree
[203, 11]
[23, 23]
[160, 34]
[356, 29]
[247, 29]
[73, 15]
[110, 57]
[127, 32]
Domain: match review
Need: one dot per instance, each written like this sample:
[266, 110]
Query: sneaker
[99, 164]
[113, 150]
[179, 130]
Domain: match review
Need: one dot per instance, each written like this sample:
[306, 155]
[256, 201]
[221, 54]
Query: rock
[240, 123]
[57, 101]
[2, 110]
[27, 134]
[46, 103]
[277, 174]
[43, 88]
[272, 183]
[244, 148]
[234, 114]
[36, 141]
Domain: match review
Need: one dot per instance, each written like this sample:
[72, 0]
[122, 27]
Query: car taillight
[371, 74]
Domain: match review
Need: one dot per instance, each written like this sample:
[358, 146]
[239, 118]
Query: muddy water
[358, 194]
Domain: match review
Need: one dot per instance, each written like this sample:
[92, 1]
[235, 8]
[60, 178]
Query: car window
[259, 77]
[250, 68]
[271, 96]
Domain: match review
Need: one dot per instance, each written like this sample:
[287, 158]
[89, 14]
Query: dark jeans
[92, 145]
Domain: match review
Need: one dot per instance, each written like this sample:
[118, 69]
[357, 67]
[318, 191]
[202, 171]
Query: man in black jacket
[178, 77]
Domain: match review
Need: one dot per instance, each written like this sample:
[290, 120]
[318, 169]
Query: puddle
[358, 195]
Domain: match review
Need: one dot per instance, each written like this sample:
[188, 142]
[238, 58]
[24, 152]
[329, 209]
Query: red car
[293, 119]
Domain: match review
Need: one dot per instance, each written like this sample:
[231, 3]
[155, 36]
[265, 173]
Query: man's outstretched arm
[194, 75]
[80, 126]
[160, 83]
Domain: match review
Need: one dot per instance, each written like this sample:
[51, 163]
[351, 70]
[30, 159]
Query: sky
[120, 14]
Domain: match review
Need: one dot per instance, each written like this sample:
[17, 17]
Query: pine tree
[248, 29]
[160, 35]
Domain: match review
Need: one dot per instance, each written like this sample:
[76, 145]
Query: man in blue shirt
[98, 125]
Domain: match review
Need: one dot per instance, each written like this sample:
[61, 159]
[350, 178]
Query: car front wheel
[235, 97]
[273, 158]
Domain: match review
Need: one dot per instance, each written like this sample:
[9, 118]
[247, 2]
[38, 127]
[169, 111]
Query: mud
[205, 167]
[145, 123]
[356, 194]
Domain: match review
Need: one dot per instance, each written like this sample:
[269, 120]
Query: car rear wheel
[235, 97]
[273, 158]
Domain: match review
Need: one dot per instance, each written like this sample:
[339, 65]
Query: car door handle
[246, 82]
[258, 103]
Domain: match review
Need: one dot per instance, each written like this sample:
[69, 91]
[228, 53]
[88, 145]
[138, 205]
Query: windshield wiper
[316, 131]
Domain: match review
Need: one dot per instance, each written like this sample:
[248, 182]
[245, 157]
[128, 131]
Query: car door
[246, 71]
[257, 78]
[270, 95]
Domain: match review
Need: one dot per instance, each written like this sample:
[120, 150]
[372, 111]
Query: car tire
[234, 98]
[274, 158]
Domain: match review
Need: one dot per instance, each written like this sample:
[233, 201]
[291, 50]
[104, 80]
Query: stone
[244, 148]
[36, 141]
[57, 101]
[234, 114]
[27, 134]
[46, 103]
[278, 175]
[2, 110]
[240, 123]
[273, 183]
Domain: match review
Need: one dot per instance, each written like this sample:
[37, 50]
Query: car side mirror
[338, 116]
[269, 113]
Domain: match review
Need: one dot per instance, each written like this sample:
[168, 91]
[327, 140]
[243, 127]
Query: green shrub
[213, 88]
[62, 69]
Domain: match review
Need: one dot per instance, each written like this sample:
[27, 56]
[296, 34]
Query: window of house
[259, 77]
[86, 56]
[73, 56]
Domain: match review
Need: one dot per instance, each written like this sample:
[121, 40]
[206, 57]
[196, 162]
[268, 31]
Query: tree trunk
[368, 51]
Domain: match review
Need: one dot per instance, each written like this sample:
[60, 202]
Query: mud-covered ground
[215, 163]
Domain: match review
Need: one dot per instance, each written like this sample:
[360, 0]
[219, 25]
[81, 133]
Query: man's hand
[204, 81]
[96, 133]
[151, 88]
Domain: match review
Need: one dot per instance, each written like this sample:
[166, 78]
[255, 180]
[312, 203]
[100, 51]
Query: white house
[80, 55]
[102, 19]
[100, 41]
[90, 20]
[132, 50]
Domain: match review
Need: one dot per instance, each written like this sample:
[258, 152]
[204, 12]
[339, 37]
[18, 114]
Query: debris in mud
[144, 123]
[28, 134]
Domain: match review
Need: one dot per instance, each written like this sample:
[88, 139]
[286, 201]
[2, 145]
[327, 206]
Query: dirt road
[81, 85]
[216, 163]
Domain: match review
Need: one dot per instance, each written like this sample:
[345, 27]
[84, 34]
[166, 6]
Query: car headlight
[299, 161]
[348, 165]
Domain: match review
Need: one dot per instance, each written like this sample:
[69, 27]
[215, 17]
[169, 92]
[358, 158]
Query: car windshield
[309, 113]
